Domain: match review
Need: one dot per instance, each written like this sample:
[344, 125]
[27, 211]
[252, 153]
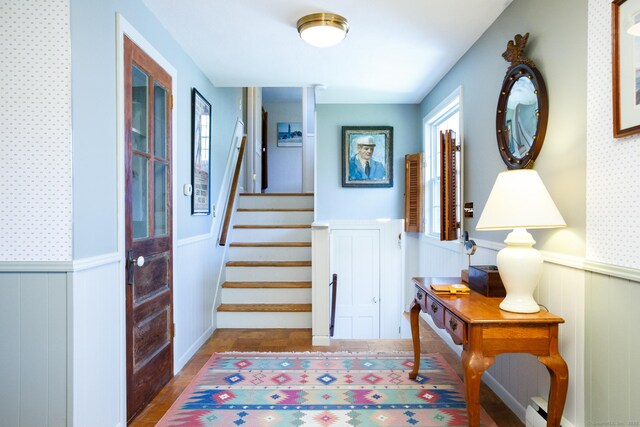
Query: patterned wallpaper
[613, 174]
[35, 131]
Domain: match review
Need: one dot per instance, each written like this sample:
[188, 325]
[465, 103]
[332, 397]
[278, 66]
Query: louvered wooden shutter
[448, 216]
[413, 193]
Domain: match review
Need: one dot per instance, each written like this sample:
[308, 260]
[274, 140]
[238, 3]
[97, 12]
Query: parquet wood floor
[292, 340]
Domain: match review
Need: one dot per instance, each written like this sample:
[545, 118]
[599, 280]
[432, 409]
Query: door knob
[375, 300]
[137, 261]
[131, 263]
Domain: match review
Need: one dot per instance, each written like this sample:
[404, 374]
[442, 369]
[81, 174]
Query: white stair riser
[244, 235]
[266, 296]
[260, 218]
[262, 320]
[275, 202]
[268, 274]
[269, 253]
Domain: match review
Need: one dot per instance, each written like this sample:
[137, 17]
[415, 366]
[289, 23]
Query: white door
[253, 151]
[355, 256]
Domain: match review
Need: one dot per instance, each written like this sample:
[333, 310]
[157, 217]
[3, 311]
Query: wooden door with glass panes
[149, 290]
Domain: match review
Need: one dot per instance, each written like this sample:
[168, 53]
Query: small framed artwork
[289, 134]
[200, 154]
[367, 156]
[626, 67]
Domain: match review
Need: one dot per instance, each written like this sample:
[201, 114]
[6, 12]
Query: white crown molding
[627, 273]
[550, 257]
[97, 261]
[36, 267]
[60, 266]
[488, 244]
[579, 263]
[194, 239]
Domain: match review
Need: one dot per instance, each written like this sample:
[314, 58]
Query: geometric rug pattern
[321, 389]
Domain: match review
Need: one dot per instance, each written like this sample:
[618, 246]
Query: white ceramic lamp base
[520, 267]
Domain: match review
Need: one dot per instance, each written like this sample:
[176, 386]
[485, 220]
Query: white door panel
[356, 260]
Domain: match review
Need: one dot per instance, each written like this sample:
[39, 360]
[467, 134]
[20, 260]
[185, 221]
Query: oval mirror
[521, 119]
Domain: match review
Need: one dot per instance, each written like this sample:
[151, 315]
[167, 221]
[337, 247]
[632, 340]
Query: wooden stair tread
[275, 194]
[268, 264]
[271, 244]
[275, 210]
[271, 226]
[266, 285]
[265, 308]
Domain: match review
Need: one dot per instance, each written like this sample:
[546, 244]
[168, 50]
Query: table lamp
[519, 200]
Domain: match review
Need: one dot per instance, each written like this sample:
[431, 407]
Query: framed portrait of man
[367, 156]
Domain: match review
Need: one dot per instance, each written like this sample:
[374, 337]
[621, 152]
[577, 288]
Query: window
[446, 116]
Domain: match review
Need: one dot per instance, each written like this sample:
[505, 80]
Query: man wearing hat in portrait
[362, 166]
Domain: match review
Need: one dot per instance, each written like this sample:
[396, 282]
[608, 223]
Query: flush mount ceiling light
[323, 29]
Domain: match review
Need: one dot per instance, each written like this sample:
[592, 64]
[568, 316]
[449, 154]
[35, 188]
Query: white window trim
[428, 123]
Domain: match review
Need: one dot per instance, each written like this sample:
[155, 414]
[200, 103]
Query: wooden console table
[484, 330]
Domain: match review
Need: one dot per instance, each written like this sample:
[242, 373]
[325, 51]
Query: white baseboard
[505, 396]
[321, 340]
[182, 361]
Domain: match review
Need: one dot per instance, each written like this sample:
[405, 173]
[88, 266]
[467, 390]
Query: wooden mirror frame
[521, 67]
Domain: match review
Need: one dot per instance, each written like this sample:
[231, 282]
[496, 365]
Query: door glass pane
[159, 121]
[139, 197]
[139, 108]
[160, 201]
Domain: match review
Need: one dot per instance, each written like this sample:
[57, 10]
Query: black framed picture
[367, 156]
[200, 154]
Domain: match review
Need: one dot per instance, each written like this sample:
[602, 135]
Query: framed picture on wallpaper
[626, 67]
[201, 149]
[367, 156]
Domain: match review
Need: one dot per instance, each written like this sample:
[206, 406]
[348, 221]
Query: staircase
[268, 275]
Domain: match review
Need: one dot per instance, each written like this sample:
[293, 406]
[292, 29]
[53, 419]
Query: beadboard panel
[518, 377]
[197, 276]
[561, 290]
[613, 350]
[98, 346]
[440, 258]
[33, 355]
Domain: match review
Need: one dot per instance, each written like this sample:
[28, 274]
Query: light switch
[187, 189]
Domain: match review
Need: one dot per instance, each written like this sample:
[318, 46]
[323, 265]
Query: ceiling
[396, 50]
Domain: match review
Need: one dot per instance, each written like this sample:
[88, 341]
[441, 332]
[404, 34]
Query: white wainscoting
[33, 349]
[518, 377]
[196, 278]
[391, 271]
[62, 359]
[97, 383]
[612, 351]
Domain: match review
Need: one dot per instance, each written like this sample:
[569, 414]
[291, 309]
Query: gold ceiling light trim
[323, 29]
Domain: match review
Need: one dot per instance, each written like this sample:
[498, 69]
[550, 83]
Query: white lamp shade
[519, 199]
[323, 29]
[634, 30]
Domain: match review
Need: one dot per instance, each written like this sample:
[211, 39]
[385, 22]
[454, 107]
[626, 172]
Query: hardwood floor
[283, 340]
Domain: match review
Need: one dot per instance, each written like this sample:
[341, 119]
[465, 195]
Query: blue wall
[93, 68]
[558, 46]
[335, 202]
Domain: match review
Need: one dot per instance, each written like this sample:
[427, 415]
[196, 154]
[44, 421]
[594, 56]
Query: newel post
[320, 278]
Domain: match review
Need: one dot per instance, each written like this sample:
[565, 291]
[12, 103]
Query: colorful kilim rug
[321, 389]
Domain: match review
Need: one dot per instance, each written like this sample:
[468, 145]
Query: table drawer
[457, 328]
[436, 311]
[421, 297]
